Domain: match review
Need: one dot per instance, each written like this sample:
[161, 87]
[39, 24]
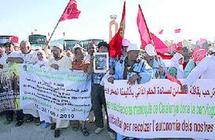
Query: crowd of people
[135, 65]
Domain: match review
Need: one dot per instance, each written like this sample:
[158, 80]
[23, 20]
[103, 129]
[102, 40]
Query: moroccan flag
[115, 45]
[147, 37]
[160, 47]
[71, 11]
[177, 30]
[143, 29]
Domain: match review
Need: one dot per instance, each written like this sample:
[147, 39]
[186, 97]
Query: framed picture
[101, 62]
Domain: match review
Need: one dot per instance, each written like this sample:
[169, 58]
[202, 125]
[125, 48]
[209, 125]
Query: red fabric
[71, 11]
[14, 39]
[173, 79]
[165, 56]
[160, 47]
[177, 30]
[147, 37]
[115, 45]
[179, 46]
[199, 54]
[185, 64]
[143, 29]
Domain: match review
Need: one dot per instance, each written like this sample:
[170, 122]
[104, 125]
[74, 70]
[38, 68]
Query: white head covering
[125, 42]
[150, 50]
[175, 60]
[133, 47]
[175, 63]
[77, 46]
[43, 53]
[60, 46]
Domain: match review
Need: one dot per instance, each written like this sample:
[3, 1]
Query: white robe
[29, 58]
[43, 116]
[204, 70]
[63, 63]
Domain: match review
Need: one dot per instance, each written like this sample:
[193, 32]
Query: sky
[194, 17]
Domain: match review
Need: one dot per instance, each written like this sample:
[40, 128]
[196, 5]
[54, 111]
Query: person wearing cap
[79, 64]
[125, 44]
[12, 56]
[98, 96]
[134, 71]
[118, 65]
[59, 62]
[204, 70]
[155, 62]
[198, 55]
[8, 49]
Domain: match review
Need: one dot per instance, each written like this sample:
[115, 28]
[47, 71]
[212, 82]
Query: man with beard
[59, 62]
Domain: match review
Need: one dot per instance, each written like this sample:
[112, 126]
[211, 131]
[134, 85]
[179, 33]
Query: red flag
[71, 11]
[179, 46]
[160, 47]
[161, 32]
[147, 37]
[14, 39]
[143, 28]
[115, 45]
[177, 30]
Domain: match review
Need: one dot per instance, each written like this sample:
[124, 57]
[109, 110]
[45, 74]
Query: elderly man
[134, 70]
[59, 62]
[28, 56]
[155, 62]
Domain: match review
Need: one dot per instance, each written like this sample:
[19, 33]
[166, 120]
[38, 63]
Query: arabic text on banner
[60, 94]
[158, 109]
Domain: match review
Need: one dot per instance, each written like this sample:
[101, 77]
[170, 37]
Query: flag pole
[55, 27]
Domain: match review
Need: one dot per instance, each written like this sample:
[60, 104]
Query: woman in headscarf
[176, 67]
[41, 58]
[40, 63]
[198, 55]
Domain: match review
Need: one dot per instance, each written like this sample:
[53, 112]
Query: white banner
[60, 94]
[158, 109]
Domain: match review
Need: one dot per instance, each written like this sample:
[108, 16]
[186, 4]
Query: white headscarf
[175, 63]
